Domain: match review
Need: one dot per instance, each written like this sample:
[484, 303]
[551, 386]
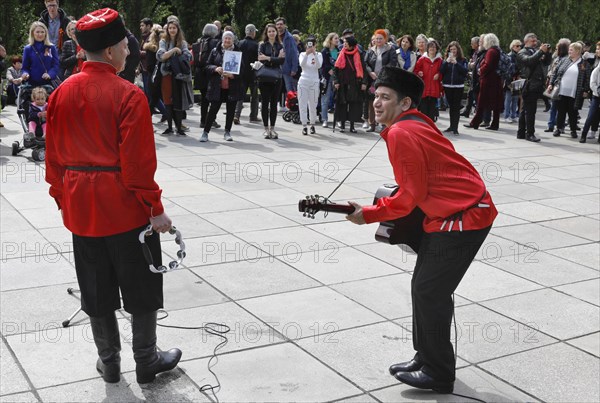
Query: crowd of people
[338, 79]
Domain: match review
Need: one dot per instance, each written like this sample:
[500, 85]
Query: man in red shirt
[100, 164]
[459, 213]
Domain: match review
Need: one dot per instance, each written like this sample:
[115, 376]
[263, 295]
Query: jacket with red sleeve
[429, 68]
[432, 176]
[97, 119]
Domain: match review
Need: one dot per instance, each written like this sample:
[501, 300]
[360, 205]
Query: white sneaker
[591, 135]
[508, 120]
[325, 124]
[365, 125]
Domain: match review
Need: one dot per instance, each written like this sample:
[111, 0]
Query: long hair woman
[270, 54]
[407, 58]
[72, 55]
[151, 48]
[174, 91]
[40, 57]
[330, 54]
[454, 72]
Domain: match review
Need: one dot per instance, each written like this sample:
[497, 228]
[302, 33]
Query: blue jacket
[32, 64]
[454, 75]
[291, 54]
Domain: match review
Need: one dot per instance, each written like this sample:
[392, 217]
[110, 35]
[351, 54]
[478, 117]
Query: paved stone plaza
[318, 309]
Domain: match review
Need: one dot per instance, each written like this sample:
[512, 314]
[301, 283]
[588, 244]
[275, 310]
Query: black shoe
[305, 131]
[532, 138]
[455, 132]
[168, 131]
[216, 125]
[492, 127]
[556, 133]
[583, 139]
[408, 366]
[254, 119]
[469, 126]
[546, 109]
[352, 130]
[573, 134]
[181, 132]
[236, 121]
[549, 130]
[465, 114]
[448, 130]
[312, 130]
[420, 380]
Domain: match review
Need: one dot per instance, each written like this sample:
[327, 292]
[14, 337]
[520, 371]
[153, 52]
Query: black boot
[178, 117]
[106, 336]
[150, 362]
[169, 116]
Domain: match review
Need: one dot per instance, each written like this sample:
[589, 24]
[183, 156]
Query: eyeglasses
[518, 46]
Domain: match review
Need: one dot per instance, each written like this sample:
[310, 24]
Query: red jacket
[96, 118]
[432, 176]
[433, 88]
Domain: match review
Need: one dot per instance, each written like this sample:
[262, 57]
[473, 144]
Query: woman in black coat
[350, 83]
[222, 87]
[271, 54]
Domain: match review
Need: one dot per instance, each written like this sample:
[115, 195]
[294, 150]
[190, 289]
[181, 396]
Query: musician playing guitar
[459, 213]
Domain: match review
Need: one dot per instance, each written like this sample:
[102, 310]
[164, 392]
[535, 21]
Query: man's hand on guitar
[357, 216]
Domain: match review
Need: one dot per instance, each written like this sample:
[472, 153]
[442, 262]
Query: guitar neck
[337, 208]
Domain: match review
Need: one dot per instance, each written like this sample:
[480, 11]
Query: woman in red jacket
[428, 68]
[490, 84]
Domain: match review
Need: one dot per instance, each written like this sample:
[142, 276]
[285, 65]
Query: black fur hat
[401, 81]
[100, 29]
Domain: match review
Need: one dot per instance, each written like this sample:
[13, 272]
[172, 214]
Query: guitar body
[407, 230]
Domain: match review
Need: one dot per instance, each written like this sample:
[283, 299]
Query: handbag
[268, 74]
[553, 95]
[54, 82]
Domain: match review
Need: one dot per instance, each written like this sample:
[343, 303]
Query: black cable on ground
[216, 329]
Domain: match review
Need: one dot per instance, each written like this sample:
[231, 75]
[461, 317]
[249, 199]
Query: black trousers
[454, 98]
[428, 107]
[214, 109]
[269, 94]
[527, 116]
[253, 99]
[443, 260]
[564, 106]
[105, 265]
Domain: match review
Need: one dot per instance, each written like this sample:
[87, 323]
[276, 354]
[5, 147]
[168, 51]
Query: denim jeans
[291, 83]
[553, 113]
[325, 100]
[511, 104]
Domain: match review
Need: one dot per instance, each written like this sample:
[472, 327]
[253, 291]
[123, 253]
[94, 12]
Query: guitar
[407, 230]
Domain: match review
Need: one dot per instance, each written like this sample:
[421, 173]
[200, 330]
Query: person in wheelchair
[36, 118]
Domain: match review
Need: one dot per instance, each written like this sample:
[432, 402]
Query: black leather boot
[150, 362]
[408, 366]
[178, 117]
[106, 337]
[169, 116]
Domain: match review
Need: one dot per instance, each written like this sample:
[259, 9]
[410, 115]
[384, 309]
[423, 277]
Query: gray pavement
[318, 309]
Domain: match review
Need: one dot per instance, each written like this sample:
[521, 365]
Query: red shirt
[96, 118]
[432, 176]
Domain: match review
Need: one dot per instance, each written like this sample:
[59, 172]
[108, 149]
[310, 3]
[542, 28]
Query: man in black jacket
[249, 48]
[56, 20]
[531, 64]
[133, 59]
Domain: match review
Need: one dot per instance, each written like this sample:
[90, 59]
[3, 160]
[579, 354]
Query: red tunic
[433, 88]
[432, 176]
[96, 118]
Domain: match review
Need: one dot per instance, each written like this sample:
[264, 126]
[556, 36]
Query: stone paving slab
[288, 286]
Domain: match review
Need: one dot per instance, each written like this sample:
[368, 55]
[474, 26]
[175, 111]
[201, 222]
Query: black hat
[347, 31]
[100, 29]
[402, 81]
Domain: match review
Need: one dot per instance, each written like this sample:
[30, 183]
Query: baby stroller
[34, 141]
[291, 103]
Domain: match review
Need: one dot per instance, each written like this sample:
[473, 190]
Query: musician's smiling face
[387, 106]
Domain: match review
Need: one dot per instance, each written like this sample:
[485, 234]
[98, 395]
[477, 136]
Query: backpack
[506, 68]
[203, 53]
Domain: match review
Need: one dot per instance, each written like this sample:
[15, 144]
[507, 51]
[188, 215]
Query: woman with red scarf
[350, 83]
[72, 55]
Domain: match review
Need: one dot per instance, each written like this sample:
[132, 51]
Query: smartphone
[309, 44]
